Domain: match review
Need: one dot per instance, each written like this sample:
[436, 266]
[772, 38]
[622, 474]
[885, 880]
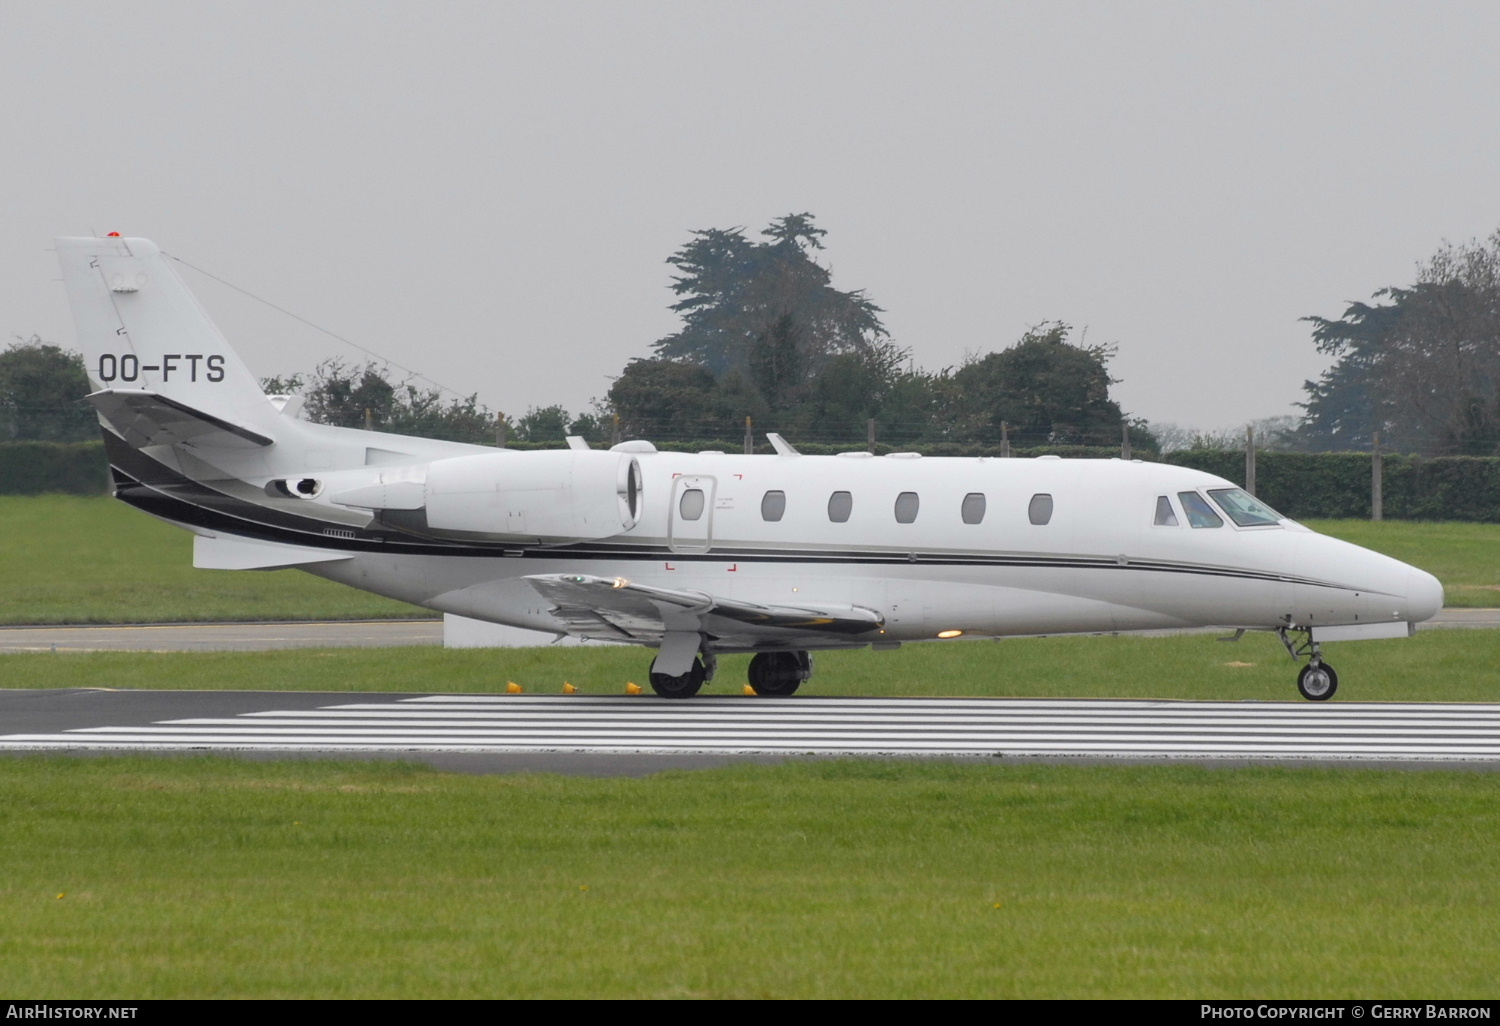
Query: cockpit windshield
[1245, 509]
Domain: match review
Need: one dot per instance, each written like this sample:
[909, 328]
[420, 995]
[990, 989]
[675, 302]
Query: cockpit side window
[1199, 512]
[1165, 515]
[1245, 509]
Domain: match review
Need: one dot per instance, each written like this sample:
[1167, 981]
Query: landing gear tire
[685, 686]
[1317, 682]
[778, 674]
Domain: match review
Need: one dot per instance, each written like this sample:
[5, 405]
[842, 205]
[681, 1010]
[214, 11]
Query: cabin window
[906, 507]
[1245, 509]
[840, 505]
[973, 508]
[773, 506]
[1199, 512]
[1040, 510]
[691, 504]
[1165, 515]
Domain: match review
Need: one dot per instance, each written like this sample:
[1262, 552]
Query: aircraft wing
[605, 607]
[145, 418]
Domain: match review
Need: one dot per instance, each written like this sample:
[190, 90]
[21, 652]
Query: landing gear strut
[1317, 682]
[779, 673]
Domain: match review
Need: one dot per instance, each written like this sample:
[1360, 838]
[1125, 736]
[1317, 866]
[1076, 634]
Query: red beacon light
[113, 235]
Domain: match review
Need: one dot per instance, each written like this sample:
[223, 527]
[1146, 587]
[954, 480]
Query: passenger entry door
[690, 521]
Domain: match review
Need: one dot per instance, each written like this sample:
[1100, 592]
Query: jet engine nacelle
[551, 496]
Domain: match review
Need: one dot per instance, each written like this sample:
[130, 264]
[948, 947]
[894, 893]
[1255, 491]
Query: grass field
[204, 877]
[69, 559]
[1436, 666]
[66, 559]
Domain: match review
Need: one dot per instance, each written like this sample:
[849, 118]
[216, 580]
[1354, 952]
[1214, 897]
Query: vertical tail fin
[141, 330]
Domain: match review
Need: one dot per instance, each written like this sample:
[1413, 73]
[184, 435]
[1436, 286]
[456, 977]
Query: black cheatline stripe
[150, 489]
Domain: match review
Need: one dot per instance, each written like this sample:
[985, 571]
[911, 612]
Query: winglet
[781, 445]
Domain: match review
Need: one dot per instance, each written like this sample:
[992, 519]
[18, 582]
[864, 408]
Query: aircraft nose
[1424, 596]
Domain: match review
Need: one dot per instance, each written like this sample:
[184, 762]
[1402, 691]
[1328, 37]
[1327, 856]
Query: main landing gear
[688, 684]
[771, 673]
[779, 673]
[1317, 682]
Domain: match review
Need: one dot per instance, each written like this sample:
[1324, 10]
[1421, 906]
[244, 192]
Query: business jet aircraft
[697, 555]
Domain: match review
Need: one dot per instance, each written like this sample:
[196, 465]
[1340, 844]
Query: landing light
[949, 634]
[620, 582]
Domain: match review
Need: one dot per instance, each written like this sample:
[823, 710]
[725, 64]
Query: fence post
[1004, 439]
[1250, 459]
[1124, 440]
[1377, 479]
[614, 435]
[500, 431]
[749, 438]
[870, 435]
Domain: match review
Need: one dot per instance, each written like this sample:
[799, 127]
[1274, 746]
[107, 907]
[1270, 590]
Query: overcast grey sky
[488, 191]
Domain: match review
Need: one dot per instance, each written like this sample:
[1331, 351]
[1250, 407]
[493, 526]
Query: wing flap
[145, 418]
[642, 612]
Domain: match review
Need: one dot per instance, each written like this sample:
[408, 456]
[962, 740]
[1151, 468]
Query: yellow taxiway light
[949, 634]
[749, 690]
[632, 688]
[569, 689]
[512, 688]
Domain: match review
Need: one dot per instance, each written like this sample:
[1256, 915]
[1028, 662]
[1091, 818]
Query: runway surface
[252, 637]
[734, 726]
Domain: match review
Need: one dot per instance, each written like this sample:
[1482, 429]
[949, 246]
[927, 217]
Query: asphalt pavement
[601, 735]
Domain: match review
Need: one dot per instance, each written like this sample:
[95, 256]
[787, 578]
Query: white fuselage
[1098, 564]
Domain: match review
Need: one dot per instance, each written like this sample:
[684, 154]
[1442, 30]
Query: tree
[1423, 368]
[735, 291]
[1048, 390]
[340, 394]
[42, 389]
[543, 424]
[670, 400]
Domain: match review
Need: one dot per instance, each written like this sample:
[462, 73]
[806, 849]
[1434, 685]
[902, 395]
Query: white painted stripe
[303, 725]
[791, 747]
[830, 726]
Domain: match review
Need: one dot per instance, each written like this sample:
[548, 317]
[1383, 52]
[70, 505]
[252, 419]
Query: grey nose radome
[1424, 596]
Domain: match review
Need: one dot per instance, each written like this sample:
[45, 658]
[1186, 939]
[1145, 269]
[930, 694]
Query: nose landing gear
[1317, 682]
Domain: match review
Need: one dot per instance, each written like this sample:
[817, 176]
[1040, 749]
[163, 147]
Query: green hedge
[34, 468]
[1337, 484]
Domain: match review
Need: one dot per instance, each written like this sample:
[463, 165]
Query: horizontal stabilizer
[585, 604]
[145, 418]
[212, 552]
